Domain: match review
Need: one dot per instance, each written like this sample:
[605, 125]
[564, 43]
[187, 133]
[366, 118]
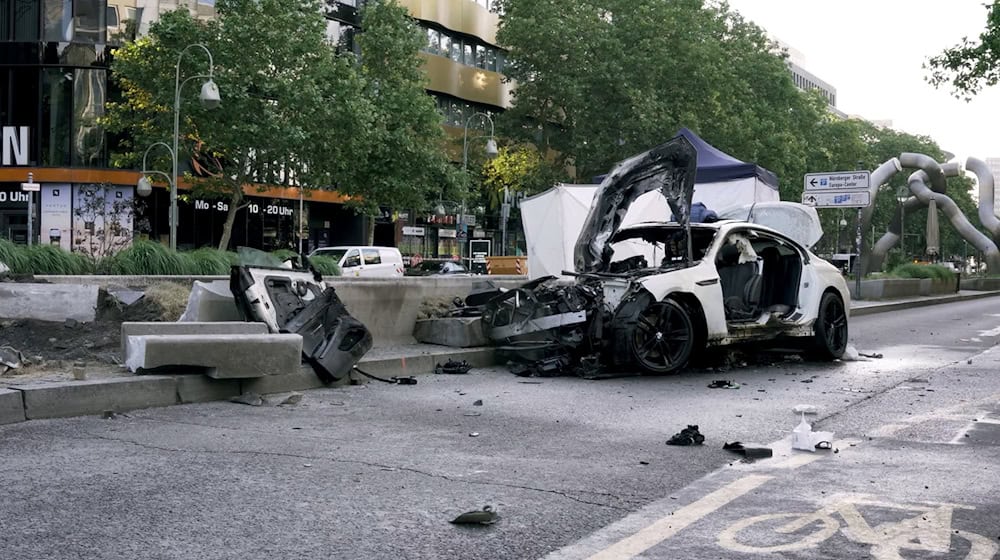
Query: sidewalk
[108, 389]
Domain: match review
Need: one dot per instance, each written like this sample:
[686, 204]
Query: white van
[364, 261]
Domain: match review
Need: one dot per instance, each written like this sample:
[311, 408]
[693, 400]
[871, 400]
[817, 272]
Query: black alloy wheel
[663, 339]
[830, 330]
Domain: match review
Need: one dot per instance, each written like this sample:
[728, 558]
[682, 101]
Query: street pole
[209, 99]
[300, 220]
[857, 268]
[491, 150]
[31, 211]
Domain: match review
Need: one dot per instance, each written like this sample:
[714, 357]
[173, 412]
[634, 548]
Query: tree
[406, 163]
[519, 169]
[110, 220]
[620, 76]
[970, 65]
[293, 112]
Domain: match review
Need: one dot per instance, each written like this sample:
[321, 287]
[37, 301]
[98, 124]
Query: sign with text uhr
[837, 180]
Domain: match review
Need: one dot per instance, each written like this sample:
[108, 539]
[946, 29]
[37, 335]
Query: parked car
[652, 295]
[364, 261]
[430, 267]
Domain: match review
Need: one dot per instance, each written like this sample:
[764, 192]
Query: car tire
[830, 330]
[663, 338]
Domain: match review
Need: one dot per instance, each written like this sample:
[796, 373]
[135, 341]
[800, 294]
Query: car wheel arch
[697, 314]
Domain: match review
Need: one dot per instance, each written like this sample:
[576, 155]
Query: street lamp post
[144, 187]
[210, 99]
[491, 151]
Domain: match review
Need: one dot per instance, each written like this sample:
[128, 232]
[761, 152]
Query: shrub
[922, 271]
[14, 257]
[48, 259]
[208, 261]
[146, 258]
[326, 266]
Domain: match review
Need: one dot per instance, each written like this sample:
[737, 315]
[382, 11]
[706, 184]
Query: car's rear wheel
[663, 338]
[830, 330]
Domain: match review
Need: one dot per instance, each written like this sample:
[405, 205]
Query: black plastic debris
[485, 516]
[723, 384]
[332, 340]
[687, 436]
[875, 355]
[453, 367]
[749, 452]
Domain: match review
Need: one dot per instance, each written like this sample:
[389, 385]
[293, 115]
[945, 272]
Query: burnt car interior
[663, 245]
[758, 274]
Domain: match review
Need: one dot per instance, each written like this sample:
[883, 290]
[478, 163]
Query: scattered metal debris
[751, 453]
[687, 436]
[10, 358]
[485, 516]
[252, 399]
[453, 367]
[724, 384]
[805, 409]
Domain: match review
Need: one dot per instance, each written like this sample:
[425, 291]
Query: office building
[54, 57]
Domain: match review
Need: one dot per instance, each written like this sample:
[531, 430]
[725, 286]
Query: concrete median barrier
[11, 407]
[78, 398]
[164, 328]
[48, 302]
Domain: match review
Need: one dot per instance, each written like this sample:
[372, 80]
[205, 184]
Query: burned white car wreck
[652, 295]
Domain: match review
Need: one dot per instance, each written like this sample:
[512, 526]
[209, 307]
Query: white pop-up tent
[553, 219]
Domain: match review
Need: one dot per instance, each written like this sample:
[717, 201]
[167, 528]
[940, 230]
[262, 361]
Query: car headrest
[729, 254]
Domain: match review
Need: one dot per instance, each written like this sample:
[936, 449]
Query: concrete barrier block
[198, 388]
[227, 356]
[425, 363]
[300, 380]
[77, 398]
[11, 406]
[211, 301]
[190, 327]
[456, 332]
[48, 302]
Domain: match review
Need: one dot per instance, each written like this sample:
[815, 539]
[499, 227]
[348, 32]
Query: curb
[911, 304]
[36, 401]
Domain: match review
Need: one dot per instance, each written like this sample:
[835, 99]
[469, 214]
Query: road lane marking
[669, 526]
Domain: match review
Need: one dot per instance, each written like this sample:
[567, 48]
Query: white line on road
[680, 519]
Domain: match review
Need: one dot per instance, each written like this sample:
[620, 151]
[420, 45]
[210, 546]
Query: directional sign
[31, 187]
[837, 199]
[846, 180]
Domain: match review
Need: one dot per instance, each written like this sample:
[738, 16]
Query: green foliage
[210, 262]
[970, 65]
[46, 259]
[325, 265]
[292, 106]
[912, 270]
[520, 168]
[145, 258]
[406, 161]
[13, 256]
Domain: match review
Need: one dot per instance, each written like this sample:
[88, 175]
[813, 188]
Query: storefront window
[57, 114]
[88, 106]
[78, 21]
[19, 20]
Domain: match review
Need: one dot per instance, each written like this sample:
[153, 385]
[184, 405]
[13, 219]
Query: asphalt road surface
[574, 468]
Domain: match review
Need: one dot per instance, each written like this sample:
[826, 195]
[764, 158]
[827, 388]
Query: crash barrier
[517, 266]
[388, 307]
[892, 288]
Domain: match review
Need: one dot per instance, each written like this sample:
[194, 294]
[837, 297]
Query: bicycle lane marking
[661, 520]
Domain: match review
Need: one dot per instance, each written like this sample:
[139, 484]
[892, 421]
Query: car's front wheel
[663, 338]
[830, 330]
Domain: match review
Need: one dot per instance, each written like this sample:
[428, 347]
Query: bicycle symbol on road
[929, 530]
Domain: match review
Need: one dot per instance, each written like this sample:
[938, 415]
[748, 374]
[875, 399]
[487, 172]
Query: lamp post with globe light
[491, 151]
[144, 187]
[210, 99]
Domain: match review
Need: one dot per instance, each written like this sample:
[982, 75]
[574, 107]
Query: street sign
[31, 187]
[837, 199]
[838, 180]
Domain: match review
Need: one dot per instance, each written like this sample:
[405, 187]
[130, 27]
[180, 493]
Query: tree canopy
[971, 65]
[295, 110]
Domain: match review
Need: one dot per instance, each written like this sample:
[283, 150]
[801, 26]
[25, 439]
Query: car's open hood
[670, 167]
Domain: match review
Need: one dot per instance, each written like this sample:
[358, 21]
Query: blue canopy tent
[723, 181]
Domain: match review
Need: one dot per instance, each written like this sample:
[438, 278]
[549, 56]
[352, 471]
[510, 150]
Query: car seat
[741, 284]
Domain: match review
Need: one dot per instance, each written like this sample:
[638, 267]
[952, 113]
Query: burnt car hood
[669, 168]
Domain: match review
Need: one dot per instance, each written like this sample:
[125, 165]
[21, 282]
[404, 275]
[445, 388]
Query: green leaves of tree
[294, 110]
[971, 65]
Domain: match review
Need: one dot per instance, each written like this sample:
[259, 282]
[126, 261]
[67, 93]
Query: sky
[872, 51]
